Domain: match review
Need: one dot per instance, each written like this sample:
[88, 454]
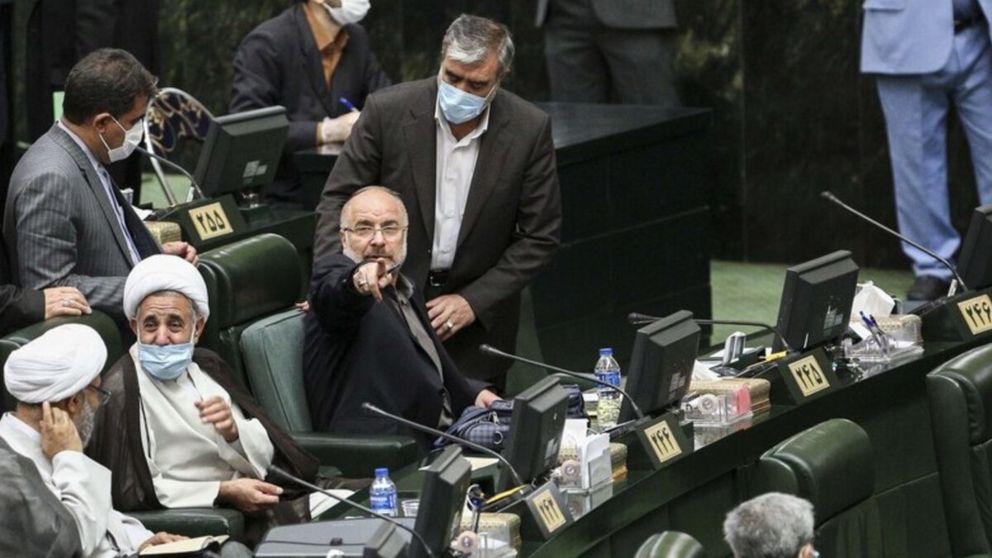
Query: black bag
[490, 427]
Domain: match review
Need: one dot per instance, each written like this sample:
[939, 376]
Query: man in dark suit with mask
[475, 166]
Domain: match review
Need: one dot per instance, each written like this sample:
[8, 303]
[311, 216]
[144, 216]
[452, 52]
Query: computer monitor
[975, 261]
[536, 427]
[816, 300]
[442, 498]
[242, 151]
[661, 363]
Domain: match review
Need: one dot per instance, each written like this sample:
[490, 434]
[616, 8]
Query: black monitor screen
[816, 300]
[975, 262]
[535, 432]
[442, 499]
[661, 363]
[242, 151]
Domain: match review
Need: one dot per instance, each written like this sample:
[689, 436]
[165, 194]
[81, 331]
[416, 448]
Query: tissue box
[758, 388]
[618, 458]
[498, 525]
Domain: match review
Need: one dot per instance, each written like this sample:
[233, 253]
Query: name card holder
[543, 513]
[959, 318]
[803, 377]
[206, 220]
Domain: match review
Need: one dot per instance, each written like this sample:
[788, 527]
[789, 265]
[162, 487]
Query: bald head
[373, 226]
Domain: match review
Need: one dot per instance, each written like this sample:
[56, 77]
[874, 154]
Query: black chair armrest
[357, 455]
[194, 522]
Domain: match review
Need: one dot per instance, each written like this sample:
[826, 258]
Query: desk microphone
[834, 199]
[194, 186]
[490, 350]
[636, 318]
[297, 480]
[435, 432]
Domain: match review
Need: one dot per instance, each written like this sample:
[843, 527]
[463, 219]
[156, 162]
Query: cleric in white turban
[187, 434]
[56, 380]
[56, 365]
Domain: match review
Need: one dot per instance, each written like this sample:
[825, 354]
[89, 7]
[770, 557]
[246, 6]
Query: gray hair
[772, 525]
[383, 189]
[470, 40]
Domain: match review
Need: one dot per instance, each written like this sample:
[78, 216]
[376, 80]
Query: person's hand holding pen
[338, 129]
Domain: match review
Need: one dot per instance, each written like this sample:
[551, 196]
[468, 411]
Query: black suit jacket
[278, 64]
[361, 350]
[512, 220]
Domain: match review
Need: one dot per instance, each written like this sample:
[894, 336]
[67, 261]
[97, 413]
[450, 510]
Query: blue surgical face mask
[458, 106]
[165, 362]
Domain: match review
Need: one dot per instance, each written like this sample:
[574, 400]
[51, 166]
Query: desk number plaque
[547, 508]
[663, 441]
[807, 376]
[205, 220]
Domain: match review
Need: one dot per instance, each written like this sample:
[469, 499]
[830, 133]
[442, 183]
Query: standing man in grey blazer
[610, 51]
[475, 166]
[66, 223]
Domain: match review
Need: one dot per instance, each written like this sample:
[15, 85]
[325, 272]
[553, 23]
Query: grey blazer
[60, 228]
[623, 14]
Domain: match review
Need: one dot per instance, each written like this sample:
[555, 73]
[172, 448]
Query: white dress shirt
[83, 487]
[455, 169]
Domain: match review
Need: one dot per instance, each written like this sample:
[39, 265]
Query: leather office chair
[960, 394]
[246, 281]
[172, 116]
[830, 465]
[189, 521]
[273, 357]
[253, 285]
[670, 544]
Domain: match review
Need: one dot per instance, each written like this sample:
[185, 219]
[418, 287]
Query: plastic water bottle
[608, 370]
[382, 494]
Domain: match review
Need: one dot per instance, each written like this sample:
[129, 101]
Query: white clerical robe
[83, 487]
[188, 458]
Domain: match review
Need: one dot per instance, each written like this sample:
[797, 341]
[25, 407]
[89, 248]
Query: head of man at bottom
[772, 525]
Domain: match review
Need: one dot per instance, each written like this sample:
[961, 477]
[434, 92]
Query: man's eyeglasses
[103, 394]
[365, 232]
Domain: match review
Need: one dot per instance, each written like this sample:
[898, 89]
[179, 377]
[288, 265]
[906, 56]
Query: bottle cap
[382, 472]
[606, 351]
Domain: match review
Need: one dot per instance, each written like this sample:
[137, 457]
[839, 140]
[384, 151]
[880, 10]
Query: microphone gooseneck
[829, 196]
[440, 434]
[293, 478]
[193, 184]
[490, 350]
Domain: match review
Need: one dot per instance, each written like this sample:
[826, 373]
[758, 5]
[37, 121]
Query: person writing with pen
[368, 335]
[317, 61]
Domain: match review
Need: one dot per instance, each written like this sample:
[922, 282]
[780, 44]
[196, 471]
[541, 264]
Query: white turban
[165, 273]
[55, 366]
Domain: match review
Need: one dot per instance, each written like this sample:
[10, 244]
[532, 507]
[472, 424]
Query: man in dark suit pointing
[475, 166]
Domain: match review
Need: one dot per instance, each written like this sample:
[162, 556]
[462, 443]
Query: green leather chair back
[99, 321]
[671, 544]
[247, 280]
[960, 394]
[273, 357]
[830, 465]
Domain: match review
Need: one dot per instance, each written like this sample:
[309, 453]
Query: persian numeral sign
[809, 376]
[548, 512]
[210, 221]
[977, 313]
[662, 441]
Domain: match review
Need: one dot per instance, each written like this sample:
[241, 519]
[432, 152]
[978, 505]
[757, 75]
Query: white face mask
[132, 139]
[351, 11]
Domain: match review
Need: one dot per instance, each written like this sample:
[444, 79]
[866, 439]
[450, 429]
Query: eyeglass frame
[377, 229]
[103, 393]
